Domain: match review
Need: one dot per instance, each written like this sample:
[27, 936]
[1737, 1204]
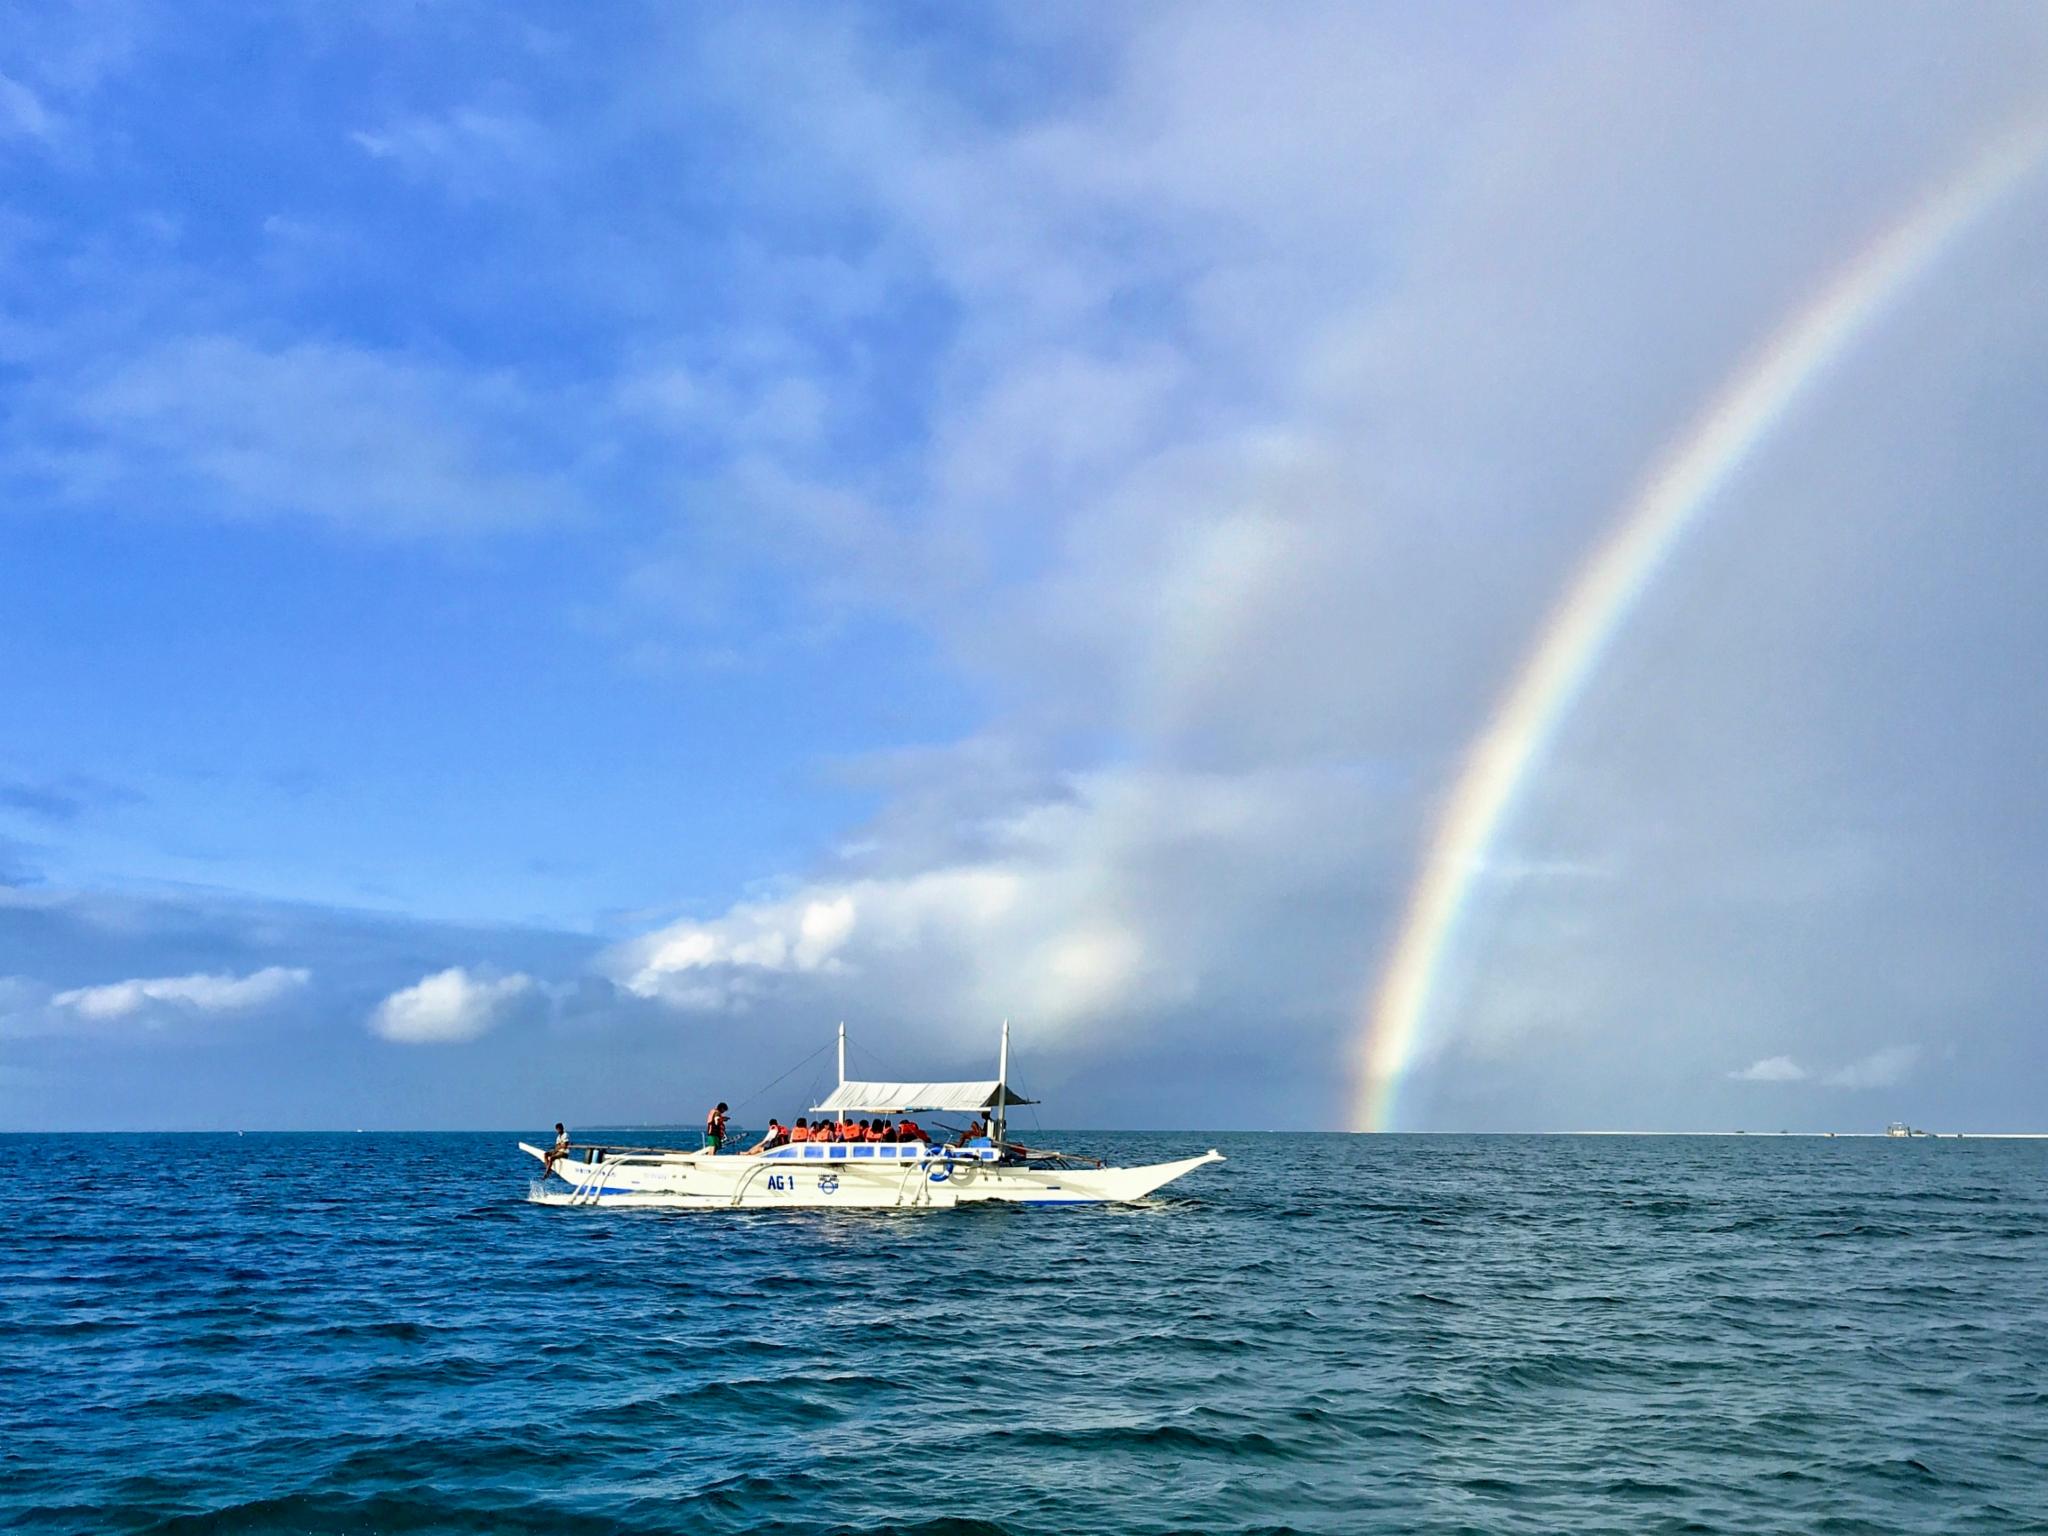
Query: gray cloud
[1255, 399]
[65, 798]
[1885, 1068]
[1313, 517]
[15, 866]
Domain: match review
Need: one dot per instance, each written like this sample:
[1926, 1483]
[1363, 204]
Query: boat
[910, 1175]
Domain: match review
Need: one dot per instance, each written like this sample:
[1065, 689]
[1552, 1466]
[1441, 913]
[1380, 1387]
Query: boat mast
[1002, 1125]
[842, 1064]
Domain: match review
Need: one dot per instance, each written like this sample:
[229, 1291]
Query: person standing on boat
[714, 1128]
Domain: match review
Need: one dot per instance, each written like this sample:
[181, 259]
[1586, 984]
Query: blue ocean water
[1326, 1333]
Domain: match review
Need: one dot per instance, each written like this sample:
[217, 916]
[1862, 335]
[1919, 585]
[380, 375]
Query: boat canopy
[896, 1098]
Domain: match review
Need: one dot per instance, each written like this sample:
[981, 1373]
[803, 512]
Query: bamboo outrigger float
[918, 1175]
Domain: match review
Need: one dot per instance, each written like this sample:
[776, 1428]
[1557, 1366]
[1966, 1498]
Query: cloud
[22, 112]
[342, 434]
[1218, 421]
[1771, 1069]
[46, 802]
[448, 1006]
[63, 799]
[15, 866]
[1229, 480]
[201, 993]
[1085, 910]
[471, 153]
[1880, 1069]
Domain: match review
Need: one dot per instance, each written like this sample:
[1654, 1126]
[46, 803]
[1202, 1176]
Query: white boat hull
[907, 1177]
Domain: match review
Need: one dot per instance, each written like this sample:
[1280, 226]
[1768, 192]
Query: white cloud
[450, 1005]
[1880, 1069]
[1771, 1069]
[1228, 464]
[348, 435]
[469, 152]
[22, 112]
[198, 993]
[1309, 507]
[1098, 901]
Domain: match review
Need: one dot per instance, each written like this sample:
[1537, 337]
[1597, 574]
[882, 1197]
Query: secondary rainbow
[1614, 578]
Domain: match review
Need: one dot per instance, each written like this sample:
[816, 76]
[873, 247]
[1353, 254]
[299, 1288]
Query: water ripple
[240, 1334]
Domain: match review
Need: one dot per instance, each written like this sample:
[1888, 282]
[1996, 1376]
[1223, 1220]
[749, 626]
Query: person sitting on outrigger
[714, 1128]
[557, 1152]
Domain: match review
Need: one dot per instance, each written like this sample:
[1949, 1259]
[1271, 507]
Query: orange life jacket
[800, 1133]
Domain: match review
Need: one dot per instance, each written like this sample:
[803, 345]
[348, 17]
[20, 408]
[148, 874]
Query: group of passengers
[876, 1130]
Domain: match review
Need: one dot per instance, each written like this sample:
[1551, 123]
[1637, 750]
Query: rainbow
[1756, 398]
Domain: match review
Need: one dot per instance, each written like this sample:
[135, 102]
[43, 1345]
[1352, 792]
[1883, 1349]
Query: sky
[549, 556]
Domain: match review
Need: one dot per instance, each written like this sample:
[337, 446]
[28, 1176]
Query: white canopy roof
[894, 1098]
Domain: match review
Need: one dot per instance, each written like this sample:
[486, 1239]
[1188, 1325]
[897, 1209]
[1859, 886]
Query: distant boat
[1900, 1128]
[899, 1174]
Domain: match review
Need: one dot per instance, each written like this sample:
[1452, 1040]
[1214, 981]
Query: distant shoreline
[1833, 1135]
[612, 1132]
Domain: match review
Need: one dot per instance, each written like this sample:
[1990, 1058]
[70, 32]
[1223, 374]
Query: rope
[792, 1072]
[880, 1064]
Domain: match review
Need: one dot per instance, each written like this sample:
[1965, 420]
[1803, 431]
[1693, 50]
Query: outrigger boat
[907, 1175]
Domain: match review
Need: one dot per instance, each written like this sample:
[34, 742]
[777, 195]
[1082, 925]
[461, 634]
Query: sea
[1326, 1333]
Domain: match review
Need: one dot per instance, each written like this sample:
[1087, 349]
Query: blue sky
[546, 558]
